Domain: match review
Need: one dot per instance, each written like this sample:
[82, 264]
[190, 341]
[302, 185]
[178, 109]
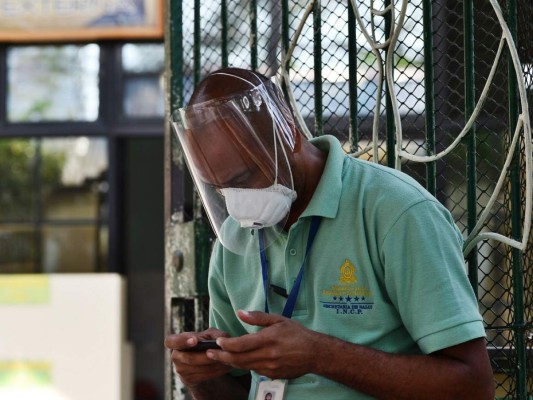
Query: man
[331, 278]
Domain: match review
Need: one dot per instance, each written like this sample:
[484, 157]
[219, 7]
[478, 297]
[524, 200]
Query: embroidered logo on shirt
[347, 273]
[347, 298]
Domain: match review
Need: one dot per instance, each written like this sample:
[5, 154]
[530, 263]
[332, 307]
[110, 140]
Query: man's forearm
[223, 388]
[286, 349]
[392, 376]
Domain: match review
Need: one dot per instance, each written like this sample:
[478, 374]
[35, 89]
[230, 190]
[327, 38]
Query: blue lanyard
[291, 301]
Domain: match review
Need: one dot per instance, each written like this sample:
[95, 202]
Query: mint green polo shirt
[385, 270]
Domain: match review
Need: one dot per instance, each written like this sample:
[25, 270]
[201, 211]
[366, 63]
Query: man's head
[238, 136]
[224, 83]
[237, 121]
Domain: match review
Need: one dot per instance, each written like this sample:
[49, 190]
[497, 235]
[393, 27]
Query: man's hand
[286, 349]
[282, 349]
[195, 367]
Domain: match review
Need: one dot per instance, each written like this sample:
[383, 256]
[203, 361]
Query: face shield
[237, 150]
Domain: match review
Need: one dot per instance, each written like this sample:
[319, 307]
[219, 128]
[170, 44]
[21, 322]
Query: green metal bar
[389, 116]
[317, 48]
[352, 80]
[202, 246]
[470, 101]
[201, 227]
[174, 199]
[285, 41]
[197, 43]
[38, 205]
[224, 33]
[431, 171]
[285, 27]
[253, 29]
[516, 223]
[176, 55]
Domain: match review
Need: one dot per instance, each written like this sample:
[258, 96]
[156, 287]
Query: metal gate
[436, 88]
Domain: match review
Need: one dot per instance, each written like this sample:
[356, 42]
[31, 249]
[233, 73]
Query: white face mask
[259, 208]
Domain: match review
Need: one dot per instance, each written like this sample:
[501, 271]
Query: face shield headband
[236, 148]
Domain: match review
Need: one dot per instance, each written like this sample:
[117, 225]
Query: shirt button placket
[291, 261]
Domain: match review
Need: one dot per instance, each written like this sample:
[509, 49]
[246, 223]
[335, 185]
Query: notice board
[83, 20]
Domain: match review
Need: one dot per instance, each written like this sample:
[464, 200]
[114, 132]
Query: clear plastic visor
[240, 142]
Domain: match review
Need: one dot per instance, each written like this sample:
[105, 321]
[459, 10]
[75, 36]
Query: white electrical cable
[472, 238]
[359, 153]
[285, 74]
[527, 126]
[389, 73]
[469, 123]
[523, 124]
[375, 46]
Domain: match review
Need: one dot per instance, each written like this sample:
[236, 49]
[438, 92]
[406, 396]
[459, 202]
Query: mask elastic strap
[276, 139]
[274, 131]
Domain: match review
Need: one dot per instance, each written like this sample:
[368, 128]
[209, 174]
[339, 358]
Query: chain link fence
[440, 63]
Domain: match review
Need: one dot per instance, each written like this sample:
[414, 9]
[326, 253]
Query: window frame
[112, 124]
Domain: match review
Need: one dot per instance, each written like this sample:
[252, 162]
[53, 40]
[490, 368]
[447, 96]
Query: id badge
[268, 389]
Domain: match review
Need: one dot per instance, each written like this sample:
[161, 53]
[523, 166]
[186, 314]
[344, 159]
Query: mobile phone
[203, 345]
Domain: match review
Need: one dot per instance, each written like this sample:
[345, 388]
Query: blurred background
[81, 200]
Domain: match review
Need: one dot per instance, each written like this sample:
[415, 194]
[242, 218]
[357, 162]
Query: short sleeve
[221, 312]
[222, 315]
[426, 279]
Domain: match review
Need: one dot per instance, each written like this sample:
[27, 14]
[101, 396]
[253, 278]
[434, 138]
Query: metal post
[470, 101]
[285, 28]
[317, 39]
[389, 116]
[176, 55]
[224, 33]
[201, 227]
[197, 43]
[285, 39]
[253, 34]
[173, 171]
[516, 225]
[352, 84]
[38, 206]
[431, 171]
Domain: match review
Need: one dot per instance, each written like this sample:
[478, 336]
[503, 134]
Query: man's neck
[309, 166]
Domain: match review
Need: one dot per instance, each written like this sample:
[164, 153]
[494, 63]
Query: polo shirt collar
[325, 200]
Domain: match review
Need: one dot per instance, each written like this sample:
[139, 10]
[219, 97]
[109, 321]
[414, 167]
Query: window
[66, 111]
[53, 205]
[53, 83]
[143, 86]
